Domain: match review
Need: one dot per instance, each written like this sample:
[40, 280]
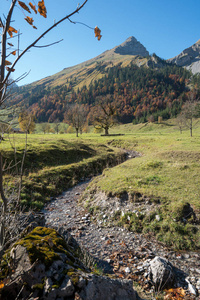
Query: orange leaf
[42, 9]
[10, 33]
[176, 294]
[97, 32]
[9, 69]
[33, 7]
[1, 284]
[13, 53]
[7, 63]
[11, 30]
[29, 20]
[24, 6]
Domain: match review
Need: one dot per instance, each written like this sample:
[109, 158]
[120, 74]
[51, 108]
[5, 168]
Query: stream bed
[128, 254]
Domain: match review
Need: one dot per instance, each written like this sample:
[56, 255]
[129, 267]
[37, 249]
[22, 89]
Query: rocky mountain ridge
[131, 47]
[131, 50]
[189, 58]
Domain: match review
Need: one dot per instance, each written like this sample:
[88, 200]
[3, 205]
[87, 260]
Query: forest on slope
[137, 92]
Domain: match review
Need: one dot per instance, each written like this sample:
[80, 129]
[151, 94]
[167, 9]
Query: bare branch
[41, 36]
[74, 22]
[1, 23]
[48, 44]
[10, 166]
[21, 77]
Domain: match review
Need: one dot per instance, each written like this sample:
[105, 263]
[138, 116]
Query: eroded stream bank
[128, 254]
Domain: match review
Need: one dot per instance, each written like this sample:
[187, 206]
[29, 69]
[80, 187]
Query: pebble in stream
[128, 253]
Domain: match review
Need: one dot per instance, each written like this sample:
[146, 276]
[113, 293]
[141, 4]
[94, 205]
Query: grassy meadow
[167, 172]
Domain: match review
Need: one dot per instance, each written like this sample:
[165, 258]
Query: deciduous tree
[57, 125]
[76, 116]
[180, 122]
[26, 122]
[103, 115]
[45, 127]
[190, 111]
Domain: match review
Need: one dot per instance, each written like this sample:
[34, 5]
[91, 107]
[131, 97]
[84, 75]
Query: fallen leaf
[175, 294]
[108, 242]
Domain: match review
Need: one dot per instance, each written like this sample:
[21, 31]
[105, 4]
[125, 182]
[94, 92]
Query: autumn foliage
[139, 94]
[26, 122]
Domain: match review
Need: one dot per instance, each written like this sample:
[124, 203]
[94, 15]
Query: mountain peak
[131, 46]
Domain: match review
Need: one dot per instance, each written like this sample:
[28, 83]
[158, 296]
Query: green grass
[167, 172]
[54, 163]
[169, 165]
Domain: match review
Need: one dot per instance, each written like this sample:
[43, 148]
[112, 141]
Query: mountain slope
[189, 58]
[125, 53]
[140, 85]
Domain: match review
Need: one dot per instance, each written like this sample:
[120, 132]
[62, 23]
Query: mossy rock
[44, 245]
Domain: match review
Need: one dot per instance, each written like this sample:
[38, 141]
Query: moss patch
[45, 244]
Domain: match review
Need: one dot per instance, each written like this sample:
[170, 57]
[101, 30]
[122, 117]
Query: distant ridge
[189, 58]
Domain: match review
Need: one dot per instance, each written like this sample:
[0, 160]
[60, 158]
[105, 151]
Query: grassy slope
[54, 163]
[87, 72]
[168, 170]
[173, 159]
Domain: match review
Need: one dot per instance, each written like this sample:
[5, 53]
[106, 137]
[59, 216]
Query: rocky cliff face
[189, 58]
[131, 47]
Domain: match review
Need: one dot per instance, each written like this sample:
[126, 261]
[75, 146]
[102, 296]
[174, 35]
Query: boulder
[99, 287]
[161, 273]
[66, 289]
[188, 212]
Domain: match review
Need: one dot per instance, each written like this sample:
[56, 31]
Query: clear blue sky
[165, 27]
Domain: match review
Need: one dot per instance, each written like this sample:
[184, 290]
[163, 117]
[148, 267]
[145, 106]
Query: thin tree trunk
[5, 201]
[5, 205]
[191, 127]
[21, 170]
[106, 131]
